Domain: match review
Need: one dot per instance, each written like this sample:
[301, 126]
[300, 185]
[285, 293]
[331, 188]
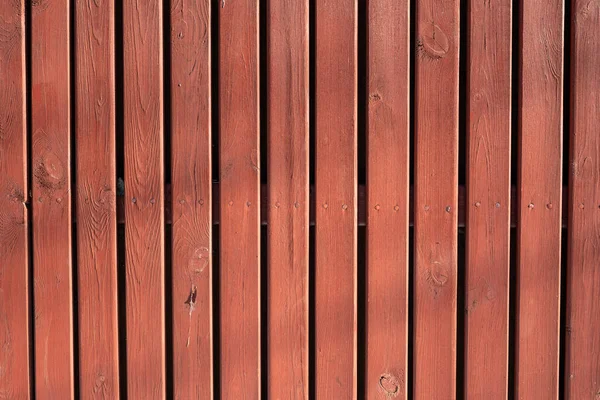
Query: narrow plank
[582, 360]
[191, 192]
[540, 197]
[51, 203]
[436, 199]
[14, 224]
[96, 200]
[239, 165]
[288, 208]
[336, 199]
[388, 199]
[144, 216]
[488, 199]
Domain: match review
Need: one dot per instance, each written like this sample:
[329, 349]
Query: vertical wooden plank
[14, 292]
[144, 215]
[388, 191]
[488, 199]
[288, 95]
[436, 199]
[192, 199]
[96, 200]
[336, 199]
[540, 198]
[239, 165]
[51, 192]
[583, 308]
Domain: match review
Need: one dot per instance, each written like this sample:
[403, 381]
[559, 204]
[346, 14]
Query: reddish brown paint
[336, 199]
[436, 199]
[388, 200]
[288, 204]
[488, 200]
[51, 202]
[582, 361]
[239, 165]
[144, 186]
[191, 199]
[14, 224]
[540, 176]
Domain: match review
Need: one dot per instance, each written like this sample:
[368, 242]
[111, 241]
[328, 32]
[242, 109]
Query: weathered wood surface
[239, 164]
[487, 267]
[288, 199]
[540, 179]
[388, 139]
[582, 361]
[144, 216]
[51, 202]
[14, 223]
[336, 199]
[96, 200]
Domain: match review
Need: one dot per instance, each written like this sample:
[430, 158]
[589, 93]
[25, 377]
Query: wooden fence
[294, 199]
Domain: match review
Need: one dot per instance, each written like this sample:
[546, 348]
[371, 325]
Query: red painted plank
[14, 224]
[192, 199]
[336, 199]
[488, 199]
[540, 175]
[436, 199]
[96, 200]
[388, 199]
[288, 207]
[583, 308]
[51, 191]
[240, 199]
[144, 216]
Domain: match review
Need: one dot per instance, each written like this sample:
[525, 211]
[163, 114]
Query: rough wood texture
[192, 200]
[488, 200]
[14, 264]
[288, 207]
[540, 175]
[240, 199]
[388, 199]
[96, 200]
[582, 362]
[336, 199]
[144, 217]
[51, 191]
[436, 199]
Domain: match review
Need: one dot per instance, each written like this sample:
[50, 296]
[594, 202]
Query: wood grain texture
[436, 199]
[192, 199]
[387, 199]
[540, 197]
[288, 208]
[144, 216]
[336, 199]
[582, 361]
[14, 224]
[96, 200]
[488, 199]
[239, 165]
[51, 192]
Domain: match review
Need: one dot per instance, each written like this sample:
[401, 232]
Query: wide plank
[288, 193]
[239, 167]
[582, 361]
[192, 199]
[488, 199]
[51, 202]
[144, 186]
[436, 199]
[14, 224]
[336, 199]
[388, 139]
